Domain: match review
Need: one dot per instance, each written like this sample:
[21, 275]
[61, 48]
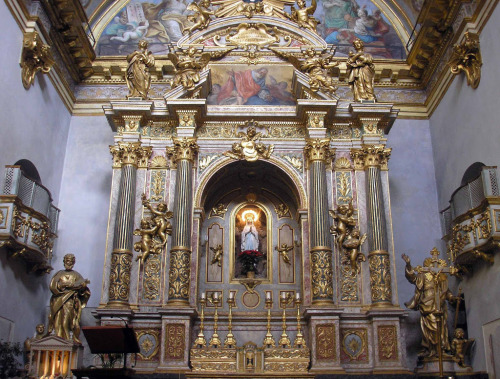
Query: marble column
[318, 152]
[372, 158]
[127, 156]
[183, 152]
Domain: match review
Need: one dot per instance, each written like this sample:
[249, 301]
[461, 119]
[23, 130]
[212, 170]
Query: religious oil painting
[240, 84]
[250, 243]
[157, 21]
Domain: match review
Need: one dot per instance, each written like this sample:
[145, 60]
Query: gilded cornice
[184, 149]
[130, 154]
[371, 156]
[318, 149]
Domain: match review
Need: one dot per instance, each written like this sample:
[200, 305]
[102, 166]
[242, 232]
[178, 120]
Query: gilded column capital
[130, 153]
[184, 149]
[371, 156]
[318, 149]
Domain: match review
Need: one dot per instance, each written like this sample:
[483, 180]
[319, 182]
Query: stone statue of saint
[137, 76]
[361, 72]
[69, 296]
[249, 235]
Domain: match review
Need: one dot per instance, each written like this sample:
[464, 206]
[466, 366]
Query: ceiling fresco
[118, 26]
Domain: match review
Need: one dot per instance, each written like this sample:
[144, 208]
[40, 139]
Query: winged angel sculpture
[188, 64]
[315, 64]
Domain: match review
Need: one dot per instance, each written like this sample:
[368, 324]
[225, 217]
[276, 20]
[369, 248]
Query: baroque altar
[250, 227]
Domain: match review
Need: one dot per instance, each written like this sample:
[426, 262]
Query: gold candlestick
[299, 340]
[200, 340]
[215, 340]
[284, 340]
[230, 341]
[269, 340]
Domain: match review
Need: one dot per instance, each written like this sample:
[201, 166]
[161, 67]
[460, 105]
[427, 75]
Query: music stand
[111, 339]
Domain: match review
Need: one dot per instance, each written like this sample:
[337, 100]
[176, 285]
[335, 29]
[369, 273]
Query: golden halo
[245, 213]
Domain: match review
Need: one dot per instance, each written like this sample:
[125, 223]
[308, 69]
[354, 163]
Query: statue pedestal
[450, 367]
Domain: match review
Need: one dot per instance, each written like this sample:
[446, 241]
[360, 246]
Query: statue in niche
[431, 295]
[250, 242]
[70, 294]
[217, 257]
[361, 72]
[137, 76]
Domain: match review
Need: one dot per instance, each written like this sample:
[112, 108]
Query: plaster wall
[33, 126]
[414, 212]
[85, 194]
[465, 129]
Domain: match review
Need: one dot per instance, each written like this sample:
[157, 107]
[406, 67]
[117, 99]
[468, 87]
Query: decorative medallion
[148, 343]
[354, 345]
[250, 299]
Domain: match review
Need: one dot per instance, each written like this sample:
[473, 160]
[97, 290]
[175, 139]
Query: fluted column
[372, 158]
[127, 156]
[183, 153]
[318, 152]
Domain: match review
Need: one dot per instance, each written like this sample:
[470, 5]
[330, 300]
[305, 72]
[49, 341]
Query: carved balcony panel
[472, 221]
[28, 220]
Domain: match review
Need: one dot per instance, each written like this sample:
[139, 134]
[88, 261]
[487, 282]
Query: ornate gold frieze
[315, 64]
[250, 148]
[35, 56]
[175, 342]
[295, 161]
[348, 283]
[317, 149]
[119, 276]
[371, 155]
[387, 343]
[184, 148]
[325, 342]
[322, 275]
[130, 153]
[178, 278]
[466, 57]
[273, 8]
[380, 277]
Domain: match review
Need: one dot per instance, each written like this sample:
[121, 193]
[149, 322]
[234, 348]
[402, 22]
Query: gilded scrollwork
[325, 342]
[344, 188]
[250, 148]
[119, 276]
[466, 57]
[151, 278]
[174, 341]
[206, 160]
[387, 343]
[322, 274]
[35, 56]
[348, 284]
[296, 162]
[380, 277]
[178, 279]
[315, 64]
[157, 188]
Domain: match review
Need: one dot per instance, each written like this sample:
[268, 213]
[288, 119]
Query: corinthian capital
[184, 148]
[371, 156]
[318, 149]
[130, 154]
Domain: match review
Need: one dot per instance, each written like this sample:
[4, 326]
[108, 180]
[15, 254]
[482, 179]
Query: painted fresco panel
[163, 21]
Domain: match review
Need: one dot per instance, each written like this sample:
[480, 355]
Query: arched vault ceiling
[384, 25]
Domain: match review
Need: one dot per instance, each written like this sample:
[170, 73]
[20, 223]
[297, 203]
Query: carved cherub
[352, 245]
[460, 346]
[217, 257]
[316, 65]
[345, 222]
[283, 250]
[188, 64]
[304, 15]
[250, 148]
[146, 245]
[160, 219]
[201, 16]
